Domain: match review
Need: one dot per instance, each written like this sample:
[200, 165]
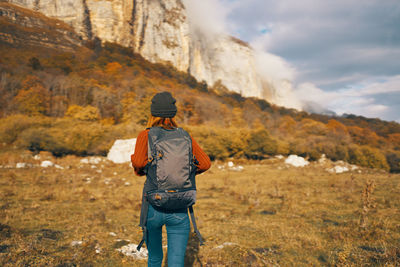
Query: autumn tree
[394, 139]
[312, 127]
[287, 125]
[33, 98]
[337, 131]
[363, 136]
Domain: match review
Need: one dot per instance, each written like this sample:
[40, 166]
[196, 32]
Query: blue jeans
[178, 228]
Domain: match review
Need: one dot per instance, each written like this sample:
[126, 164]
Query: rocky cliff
[20, 26]
[160, 31]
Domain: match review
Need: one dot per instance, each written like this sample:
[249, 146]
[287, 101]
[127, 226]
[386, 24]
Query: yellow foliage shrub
[374, 158]
[88, 113]
[12, 126]
[368, 157]
[260, 144]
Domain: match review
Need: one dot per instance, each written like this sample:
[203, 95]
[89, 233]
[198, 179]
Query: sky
[341, 55]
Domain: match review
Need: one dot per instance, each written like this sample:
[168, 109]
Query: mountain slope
[161, 32]
[20, 26]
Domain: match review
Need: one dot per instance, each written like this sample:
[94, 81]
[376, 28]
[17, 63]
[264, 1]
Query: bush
[374, 158]
[334, 151]
[393, 159]
[356, 156]
[283, 148]
[220, 143]
[38, 139]
[87, 113]
[13, 125]
[211, 141]
[68, 136]
[367, 157]
[309, 150]
[260, 144]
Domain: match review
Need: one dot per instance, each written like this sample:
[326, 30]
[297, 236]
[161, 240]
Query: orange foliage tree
[363, 136]
[394, 139]
[337, 131]
[33, 99]
[312, 127]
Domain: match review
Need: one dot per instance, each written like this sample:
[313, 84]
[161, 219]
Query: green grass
[271, 215]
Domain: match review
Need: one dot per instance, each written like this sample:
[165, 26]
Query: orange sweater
[139, 158]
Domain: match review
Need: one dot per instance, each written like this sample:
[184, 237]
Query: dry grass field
[268, 214]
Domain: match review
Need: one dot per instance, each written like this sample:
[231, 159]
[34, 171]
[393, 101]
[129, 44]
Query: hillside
[162, 31]
[77, 99]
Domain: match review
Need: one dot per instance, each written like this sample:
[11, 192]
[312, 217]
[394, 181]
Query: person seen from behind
[153, 217]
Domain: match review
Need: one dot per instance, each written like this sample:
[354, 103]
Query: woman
[163, 111]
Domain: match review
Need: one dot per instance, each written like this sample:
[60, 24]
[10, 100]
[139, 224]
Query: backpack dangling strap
[196, 230]
[144, 238]
[143, 220]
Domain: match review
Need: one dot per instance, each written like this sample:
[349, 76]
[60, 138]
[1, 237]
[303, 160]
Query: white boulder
[338, 169]
[131, 251]
[296, 161]
[322, 159]
[76, 243]
[59, 167]
[122, 150]
[46, 163]
[21, 165]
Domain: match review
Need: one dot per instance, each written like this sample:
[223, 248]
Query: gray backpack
[170, 172]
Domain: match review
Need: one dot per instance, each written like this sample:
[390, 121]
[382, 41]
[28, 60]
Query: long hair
[167, 123]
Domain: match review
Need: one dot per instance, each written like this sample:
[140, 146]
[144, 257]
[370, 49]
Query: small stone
[46, 163]
[21, 165]
[85, 161]
[76, 243]
[225, 244]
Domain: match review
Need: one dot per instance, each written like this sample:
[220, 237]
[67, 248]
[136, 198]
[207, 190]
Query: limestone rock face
[229, 61]
[69, 11]
[160, 31]
[37, 29]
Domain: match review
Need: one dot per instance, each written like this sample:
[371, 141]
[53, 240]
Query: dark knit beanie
[163, 105]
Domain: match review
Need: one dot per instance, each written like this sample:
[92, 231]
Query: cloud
[325, 40]
[207, 16]
[386, 85]
[377, 99]
[345, 54]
